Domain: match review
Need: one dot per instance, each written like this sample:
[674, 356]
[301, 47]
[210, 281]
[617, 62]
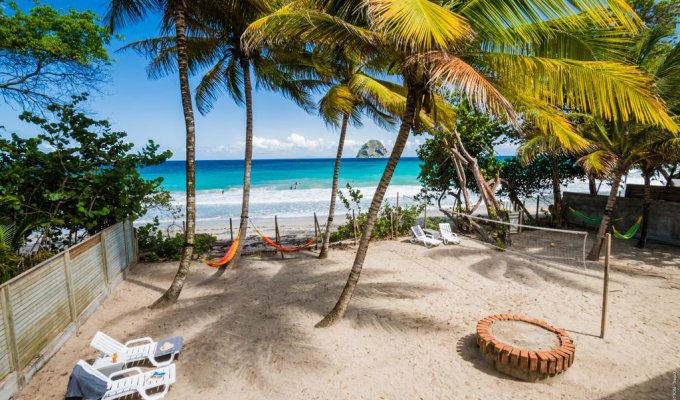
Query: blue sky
[151, 109]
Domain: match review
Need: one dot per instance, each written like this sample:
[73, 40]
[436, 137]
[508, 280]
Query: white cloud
[291, 142]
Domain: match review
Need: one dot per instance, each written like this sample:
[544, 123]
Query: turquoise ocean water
[292, 187]
[287, 188]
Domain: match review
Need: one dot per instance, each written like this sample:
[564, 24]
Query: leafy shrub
[401, 218]
[154, 246]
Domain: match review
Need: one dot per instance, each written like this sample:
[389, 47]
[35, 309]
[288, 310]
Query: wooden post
[231, 228]
[70, 290]
[538, 199]
[391, 226]
[278, 235]
[8, 320]
[520, 221]
[105, 265]
[316, 232]
[398, 216]
[354, 227]
[605, 290]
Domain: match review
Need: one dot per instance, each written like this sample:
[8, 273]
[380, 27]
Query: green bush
[402, 218]
[154, 246]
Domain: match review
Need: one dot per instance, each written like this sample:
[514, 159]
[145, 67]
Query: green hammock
[585, 217]
[630, 232]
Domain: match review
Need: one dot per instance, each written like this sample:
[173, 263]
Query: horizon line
[306, 158]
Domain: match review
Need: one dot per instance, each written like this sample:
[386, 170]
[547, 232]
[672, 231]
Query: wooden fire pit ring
[552, 355]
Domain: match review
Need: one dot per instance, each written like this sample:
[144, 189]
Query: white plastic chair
[420, 237]
[133, 380]
[131, 351]
[447, 235]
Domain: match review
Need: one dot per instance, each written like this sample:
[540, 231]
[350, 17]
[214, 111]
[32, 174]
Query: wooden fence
[44, 306]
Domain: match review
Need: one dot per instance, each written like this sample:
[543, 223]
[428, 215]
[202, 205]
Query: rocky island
[372, 149]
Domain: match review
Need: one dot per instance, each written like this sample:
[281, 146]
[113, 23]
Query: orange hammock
[281, 248]
[228, 255]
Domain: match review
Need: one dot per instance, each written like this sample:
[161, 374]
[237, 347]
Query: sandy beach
[409, 331]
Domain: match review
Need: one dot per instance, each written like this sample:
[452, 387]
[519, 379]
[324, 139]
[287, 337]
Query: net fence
[557, 246]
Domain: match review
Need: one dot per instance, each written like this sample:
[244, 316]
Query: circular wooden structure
[525, 348]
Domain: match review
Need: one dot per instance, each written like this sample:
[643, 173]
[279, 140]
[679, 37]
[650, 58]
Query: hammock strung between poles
[630, 232]
[229, 255]
[585, 217]
[279, 247]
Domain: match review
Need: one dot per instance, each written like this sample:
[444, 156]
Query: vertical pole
[425, 216]
[391, 226]
[278, 235]
[316, 233]
[231, 228]
[8, 320]
[102, 244]
[538, 199]
[520, 220]
[354, 227]
[605, 290]
[69, 285]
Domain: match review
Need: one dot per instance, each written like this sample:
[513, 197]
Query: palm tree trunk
[647, 172]
[173, 292]
[334, 188]
[338, 311]
[248, 161]
[592, 185]
[557, 192]
[594, 254]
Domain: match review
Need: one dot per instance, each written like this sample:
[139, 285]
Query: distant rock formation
[372, 149]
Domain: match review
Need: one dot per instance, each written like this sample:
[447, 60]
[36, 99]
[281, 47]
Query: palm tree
[354, 92]
[175, 13]
[216, 47]
[619, 147]
[471, 47]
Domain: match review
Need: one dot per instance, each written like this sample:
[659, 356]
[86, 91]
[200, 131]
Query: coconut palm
[619, 147]
[471, 47]
[175, 14]
[354, 92]
[226, 67]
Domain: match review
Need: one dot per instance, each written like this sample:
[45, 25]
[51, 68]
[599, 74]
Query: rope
[630, 232]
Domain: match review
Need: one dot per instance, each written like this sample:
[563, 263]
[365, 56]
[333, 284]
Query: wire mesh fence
[559, 246]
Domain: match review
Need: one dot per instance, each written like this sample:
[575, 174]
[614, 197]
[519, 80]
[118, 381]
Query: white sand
[409, 331]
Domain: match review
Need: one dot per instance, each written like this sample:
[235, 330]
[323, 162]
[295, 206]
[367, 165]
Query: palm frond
[418, 24]
[599, 163]
[613, 91]
[503, 19]
[458, 75]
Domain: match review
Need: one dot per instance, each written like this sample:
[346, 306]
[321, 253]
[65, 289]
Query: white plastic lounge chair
[420, 237]
[133, 380]
[132, 351]
[447, 235]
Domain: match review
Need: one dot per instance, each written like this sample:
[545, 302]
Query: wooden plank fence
[44, 306]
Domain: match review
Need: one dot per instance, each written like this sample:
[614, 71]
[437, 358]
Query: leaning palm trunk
[173, 292]
[338, 311]
[248, 161]
[594, 254]
[642, 242]
[557, 191]
[334, 189]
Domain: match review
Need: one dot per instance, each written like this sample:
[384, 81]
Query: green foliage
[480, 134]
[521, 180]
[154, 246]
[46, 56]
[401, 219]
[77, 175]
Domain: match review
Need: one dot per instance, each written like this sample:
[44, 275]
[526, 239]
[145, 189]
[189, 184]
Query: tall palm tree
[354, 92]
[471, 47]
[175, 13]
[227, 67]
